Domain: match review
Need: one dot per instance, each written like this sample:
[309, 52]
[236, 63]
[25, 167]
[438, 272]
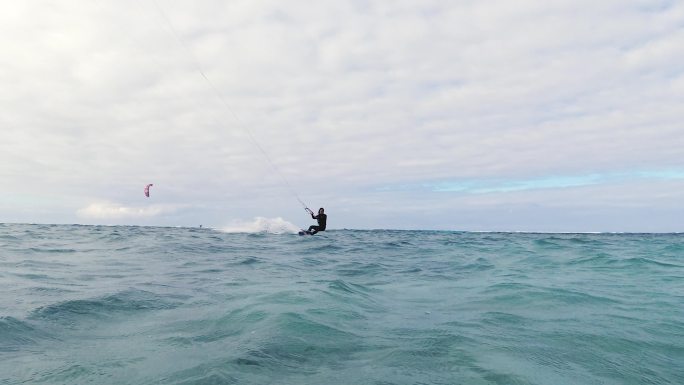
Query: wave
[518, 293]
[352, 296]
[103, 307]
[348, 287]
[604, 260]
[262, 225]
[52, 250]
[296, 339]
[15, 334]
[213, 372]
[642, 261]
[247, 261]
[285, 343]
[549, 243]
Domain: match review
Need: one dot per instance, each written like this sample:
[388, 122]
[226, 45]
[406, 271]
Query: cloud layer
[344, 97]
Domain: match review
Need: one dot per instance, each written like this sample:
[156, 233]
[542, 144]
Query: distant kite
[147, 190]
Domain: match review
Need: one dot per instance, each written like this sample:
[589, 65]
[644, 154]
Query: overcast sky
[529, 115]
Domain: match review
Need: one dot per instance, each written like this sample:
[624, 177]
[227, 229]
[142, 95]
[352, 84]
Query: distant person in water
[321, 218]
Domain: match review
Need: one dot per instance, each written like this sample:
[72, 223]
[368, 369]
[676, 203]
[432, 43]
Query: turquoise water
[147, 305]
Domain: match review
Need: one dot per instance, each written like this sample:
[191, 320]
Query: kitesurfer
[321, 218]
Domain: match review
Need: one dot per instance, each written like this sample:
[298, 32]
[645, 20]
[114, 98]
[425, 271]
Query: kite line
[218, 93]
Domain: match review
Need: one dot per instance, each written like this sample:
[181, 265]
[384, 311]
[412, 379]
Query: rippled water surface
[146, 305]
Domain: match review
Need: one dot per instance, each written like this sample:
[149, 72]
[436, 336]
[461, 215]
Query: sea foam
[262, 225]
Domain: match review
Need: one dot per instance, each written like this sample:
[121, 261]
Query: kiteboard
[304, 232]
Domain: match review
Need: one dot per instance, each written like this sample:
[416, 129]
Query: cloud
[116, 211]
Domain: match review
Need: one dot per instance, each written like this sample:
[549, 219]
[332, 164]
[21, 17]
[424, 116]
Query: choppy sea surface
[152, 305]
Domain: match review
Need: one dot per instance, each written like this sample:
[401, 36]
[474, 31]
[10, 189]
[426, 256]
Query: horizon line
[354, 229]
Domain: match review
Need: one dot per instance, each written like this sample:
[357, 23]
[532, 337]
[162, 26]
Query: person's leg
[312, 229]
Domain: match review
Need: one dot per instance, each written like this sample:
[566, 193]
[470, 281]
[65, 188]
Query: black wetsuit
[322, 218]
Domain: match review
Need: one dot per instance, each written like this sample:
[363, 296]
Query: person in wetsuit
[321, 218]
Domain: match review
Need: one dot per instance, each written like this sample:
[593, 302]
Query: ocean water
[151, 305]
